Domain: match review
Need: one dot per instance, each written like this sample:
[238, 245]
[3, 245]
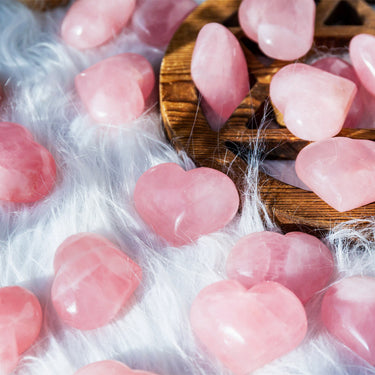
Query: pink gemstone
[20, 322]
[91, 23]
[341, 171]
[219, 70]
[314, 103]
[115, 89]
[155, 21]
[297, 260]
[109, 368]
[246, 329]
[284, 29]
[181, 206]
[93, 281]
[28, 170]
[348, 310]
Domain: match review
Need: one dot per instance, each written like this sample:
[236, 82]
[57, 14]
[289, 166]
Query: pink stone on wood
[181, 206]
[314, 103]
[27, 169]
[155, 21]
[115, 90]
[246, 329]
[219, 71]
[109, 368]
[297, 260]
[284, 29]
[94, 280]
[348, 311]
[91, 23]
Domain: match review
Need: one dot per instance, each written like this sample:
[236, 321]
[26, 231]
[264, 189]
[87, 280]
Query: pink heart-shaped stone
[109, 368]
[181, 206]
[297, 260]
[246, 329]
[348, 310]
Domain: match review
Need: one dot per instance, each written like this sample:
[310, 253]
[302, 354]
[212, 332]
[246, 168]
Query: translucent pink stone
[348, 311]
[341, 171]
[219, 71]
[115, 89]
[181, 206]
[109, 368]
[93, 281]
[314, 103]
[284, 29]
[91, 23]
[246, 329]
[155, 21]
[297, 260]
[27, 169]
[20, 322]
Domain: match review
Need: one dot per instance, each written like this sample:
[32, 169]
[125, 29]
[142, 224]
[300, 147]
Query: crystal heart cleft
[109, 368]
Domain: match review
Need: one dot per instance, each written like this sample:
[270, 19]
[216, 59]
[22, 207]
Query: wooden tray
[337, 21]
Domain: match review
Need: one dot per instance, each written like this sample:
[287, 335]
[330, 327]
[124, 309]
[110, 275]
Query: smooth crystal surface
[341, 171]
[348, 310]
[155, 21]
[109, 368]
[314, 103]
[284, 29]
[219, 71]
[27, 169]
[181, 206]
[93, 281]
[246, 329]
[115, 89]
[296, 260]
[91, 23]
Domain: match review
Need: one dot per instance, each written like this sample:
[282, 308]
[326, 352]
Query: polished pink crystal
[341, 171]
[109, 368]
[115, 89]
[181, 206]
[348, 311]
[93, 281]
[91, 23]
[314, 103]
[20, 323]
[284, 29]
[297, 260]
[28, 170]
[246, 329]
[219, 71]
[155, 21]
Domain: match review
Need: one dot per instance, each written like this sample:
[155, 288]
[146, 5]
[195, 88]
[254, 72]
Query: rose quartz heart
[115, 89]
[28, 170]
[181, 206]
[246, 329]
[297, 260]
[348, 311]
[314, 103]
[109, 368]
[93, 281]
[341, 171]
[20, 322]
[284, 29]
[91, 23]
[219, 70]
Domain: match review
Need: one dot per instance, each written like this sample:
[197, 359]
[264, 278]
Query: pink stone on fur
[20, 322]
[115, 90]
[348, 311]
[297, 260]
[109, 368]
[155, 21]
[284, 29]
[314, 103]
[246, 329]
[94, 281]
[27, 169]
[219, 71]
[91, 23]
[341, 171]
[181, 206]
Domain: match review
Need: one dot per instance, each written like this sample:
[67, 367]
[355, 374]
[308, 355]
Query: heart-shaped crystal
[109, 368]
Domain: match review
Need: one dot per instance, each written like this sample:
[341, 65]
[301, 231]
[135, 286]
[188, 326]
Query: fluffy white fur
[97, 172]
